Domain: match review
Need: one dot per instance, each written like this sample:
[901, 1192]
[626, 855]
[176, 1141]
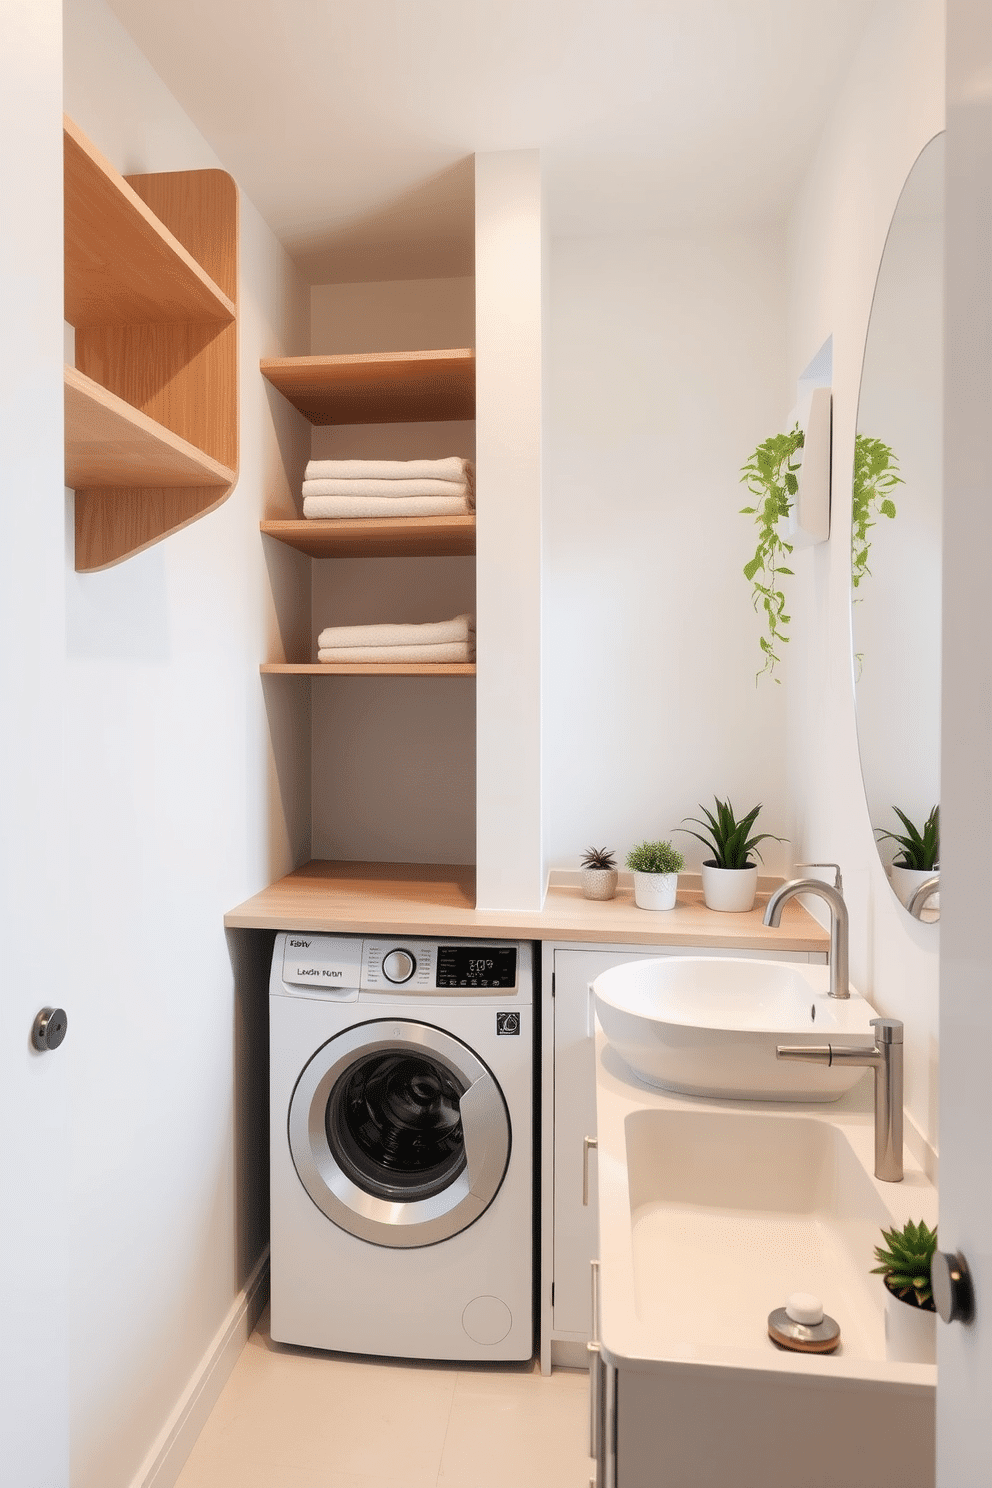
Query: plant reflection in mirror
[770, 475]
[876, 473]
[920, 848]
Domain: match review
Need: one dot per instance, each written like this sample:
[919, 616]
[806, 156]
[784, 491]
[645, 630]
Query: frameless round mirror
[896, 535]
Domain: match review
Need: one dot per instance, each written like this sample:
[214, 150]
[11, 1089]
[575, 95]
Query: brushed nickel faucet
[885, 1058]
[838, 921]
[921, 895]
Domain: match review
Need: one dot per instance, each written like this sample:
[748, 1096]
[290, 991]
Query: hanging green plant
[770, 475]
[876, 473]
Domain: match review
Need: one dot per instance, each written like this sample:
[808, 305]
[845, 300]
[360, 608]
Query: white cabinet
[569, 1225]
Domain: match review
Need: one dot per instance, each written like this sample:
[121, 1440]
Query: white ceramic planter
[655, 890]
[731, 889]
[910, 1332]
[905, 882]
[599, 883]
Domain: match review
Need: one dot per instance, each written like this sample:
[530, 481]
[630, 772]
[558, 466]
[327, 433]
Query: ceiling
[351, 126]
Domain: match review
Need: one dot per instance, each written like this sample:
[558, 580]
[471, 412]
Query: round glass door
[399, 1133]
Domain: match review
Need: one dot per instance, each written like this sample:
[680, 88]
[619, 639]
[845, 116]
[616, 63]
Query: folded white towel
[390, 490]
[381, 506]
[452, 468]
[434, 632]
[374, 655]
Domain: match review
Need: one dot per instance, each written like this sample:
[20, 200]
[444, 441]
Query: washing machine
[402, 1151]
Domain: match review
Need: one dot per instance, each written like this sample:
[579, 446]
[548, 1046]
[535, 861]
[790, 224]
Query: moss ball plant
[655, 857]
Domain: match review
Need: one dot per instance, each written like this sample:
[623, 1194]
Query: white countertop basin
[711, 1215]
[709, 1026]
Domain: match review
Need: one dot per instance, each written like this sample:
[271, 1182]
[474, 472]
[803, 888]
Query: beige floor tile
[294, 1418]
[517, 1427]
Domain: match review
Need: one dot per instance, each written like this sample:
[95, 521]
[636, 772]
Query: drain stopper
[803, 1325]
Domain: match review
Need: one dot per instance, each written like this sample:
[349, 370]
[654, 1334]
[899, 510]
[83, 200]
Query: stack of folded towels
[389, 488]
[443, 640]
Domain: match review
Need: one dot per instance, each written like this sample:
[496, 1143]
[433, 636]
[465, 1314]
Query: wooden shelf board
[378, 388]
[378, 537]
[362, 669]
[109, 443]
[439, 899]
[122, 265]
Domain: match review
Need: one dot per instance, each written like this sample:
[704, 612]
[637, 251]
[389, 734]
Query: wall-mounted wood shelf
[378, 537]
[378, 387]
[109, 443]
[370, 669]
[151, 276]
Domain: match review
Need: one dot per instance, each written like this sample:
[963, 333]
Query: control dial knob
[398, 966]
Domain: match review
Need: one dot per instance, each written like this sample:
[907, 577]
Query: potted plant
[656, 867]
[730, 878]
[919, 858]
[599, 873]
[910, 1315]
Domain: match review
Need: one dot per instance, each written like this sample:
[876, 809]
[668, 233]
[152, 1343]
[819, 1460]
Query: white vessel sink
[709, 1218]
[703, 1025]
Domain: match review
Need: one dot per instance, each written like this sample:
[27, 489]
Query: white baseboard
[168, 1454]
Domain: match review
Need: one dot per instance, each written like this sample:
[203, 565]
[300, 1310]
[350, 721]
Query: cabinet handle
[590, 1011]
[587, 1142]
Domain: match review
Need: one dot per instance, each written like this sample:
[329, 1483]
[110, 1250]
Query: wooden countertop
[433, 899]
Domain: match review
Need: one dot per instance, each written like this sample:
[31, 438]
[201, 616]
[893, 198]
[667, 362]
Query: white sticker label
[321, 961]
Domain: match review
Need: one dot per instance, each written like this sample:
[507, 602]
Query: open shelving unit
[376, 388]
[151, 406]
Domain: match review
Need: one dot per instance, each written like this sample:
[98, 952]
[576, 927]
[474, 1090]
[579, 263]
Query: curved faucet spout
[838, 925]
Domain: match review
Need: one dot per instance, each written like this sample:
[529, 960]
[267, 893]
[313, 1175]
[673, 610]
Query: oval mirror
[896, 539]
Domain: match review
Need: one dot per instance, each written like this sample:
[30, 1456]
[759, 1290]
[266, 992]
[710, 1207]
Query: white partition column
[508, 274]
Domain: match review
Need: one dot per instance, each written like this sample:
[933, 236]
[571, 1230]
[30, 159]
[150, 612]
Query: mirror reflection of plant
[920, 849]
[876, 473]
[770, 475]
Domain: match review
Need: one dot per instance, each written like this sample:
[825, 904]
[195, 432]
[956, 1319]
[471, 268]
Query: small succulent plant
[727, 837]
[655, 857]
[905, 1265]
[599, 857]
[920, 849]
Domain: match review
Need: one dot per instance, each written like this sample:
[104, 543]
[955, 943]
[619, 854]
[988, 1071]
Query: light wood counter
[433, 899]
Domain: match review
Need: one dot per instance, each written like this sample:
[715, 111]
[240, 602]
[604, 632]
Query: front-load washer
[401, 1165]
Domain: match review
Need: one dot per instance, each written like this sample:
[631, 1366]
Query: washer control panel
[397, 963]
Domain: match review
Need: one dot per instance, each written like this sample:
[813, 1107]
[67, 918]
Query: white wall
[668, 368]
[188, 790]
[891, 105]
[34, 1447]
[393, 757]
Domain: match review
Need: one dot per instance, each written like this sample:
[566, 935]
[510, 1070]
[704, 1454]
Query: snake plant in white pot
[730, 878]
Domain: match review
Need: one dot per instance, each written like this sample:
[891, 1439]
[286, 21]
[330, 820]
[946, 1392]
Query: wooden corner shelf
[151, 271]
[109, 443]
[378, 387]
[368, 669]
[377, 537]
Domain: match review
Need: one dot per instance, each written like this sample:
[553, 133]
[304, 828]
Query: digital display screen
[476, 966]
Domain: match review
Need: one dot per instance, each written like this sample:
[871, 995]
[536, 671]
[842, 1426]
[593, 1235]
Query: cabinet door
[575, 1119]
[575, 1240]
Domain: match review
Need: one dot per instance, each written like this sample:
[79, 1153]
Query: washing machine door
[399, 1133]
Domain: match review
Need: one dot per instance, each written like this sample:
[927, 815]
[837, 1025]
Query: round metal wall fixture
[953, 1294]
[399, 1133]
[49, 1029]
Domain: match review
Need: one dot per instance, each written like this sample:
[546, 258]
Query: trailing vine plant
[770, 476]
[876, 473]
